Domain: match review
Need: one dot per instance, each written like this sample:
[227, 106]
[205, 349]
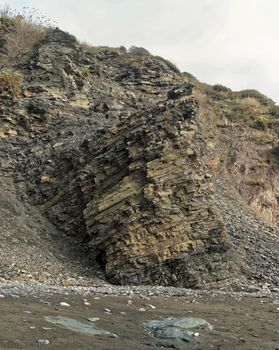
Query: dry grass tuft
[9, 84]
[256, 182]
[26, 28]
[5, 10]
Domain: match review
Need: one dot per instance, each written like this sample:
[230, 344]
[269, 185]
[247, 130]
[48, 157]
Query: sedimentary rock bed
[146, 204]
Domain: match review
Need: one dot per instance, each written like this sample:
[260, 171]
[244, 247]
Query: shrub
[251, 105]
[256, 94]
[123, 49]
[262, 138]
[9, 84]
[261, 122]
[273, 122]
[140, 51]
[85, 72]
[274, 110]
[221, 88]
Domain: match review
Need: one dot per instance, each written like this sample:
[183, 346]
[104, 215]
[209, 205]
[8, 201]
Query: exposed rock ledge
[144, 202]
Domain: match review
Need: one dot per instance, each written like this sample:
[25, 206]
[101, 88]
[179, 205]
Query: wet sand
[249, 323]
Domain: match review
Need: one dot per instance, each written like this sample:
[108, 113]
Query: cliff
[141, 169]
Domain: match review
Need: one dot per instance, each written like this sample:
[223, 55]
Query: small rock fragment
[141, 309]
[77, 326]
[93, 319]
[43, 341]
[45, 178]
[63, 303]
[177, 331]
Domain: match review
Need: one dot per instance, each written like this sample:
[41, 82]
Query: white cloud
[233, 42]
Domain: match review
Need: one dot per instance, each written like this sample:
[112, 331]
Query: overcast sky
[231, 42]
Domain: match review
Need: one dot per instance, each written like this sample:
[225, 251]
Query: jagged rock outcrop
[146, 206]
[118, 150]
[70, 94]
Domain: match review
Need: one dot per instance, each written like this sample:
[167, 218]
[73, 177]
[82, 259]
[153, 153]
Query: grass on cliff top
[247, 108]
[20, 32]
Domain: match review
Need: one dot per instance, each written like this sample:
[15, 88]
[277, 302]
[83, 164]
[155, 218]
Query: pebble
[107, 310]
[196, 334]
[2, 296]
[63, 303]
[87, 303]
[123, 313]
[141, 309]
[93, 319]
[150, 306]
[32, 327]
[142, 291]
[43, 341]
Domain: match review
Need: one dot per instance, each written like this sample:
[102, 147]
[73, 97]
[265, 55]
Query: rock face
[146, 203]
[112, 154]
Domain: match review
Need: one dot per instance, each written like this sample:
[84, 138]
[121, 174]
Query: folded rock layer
[146, 201]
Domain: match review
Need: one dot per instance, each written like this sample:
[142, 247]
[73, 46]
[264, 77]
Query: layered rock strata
[144, 201]
[107, 142]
